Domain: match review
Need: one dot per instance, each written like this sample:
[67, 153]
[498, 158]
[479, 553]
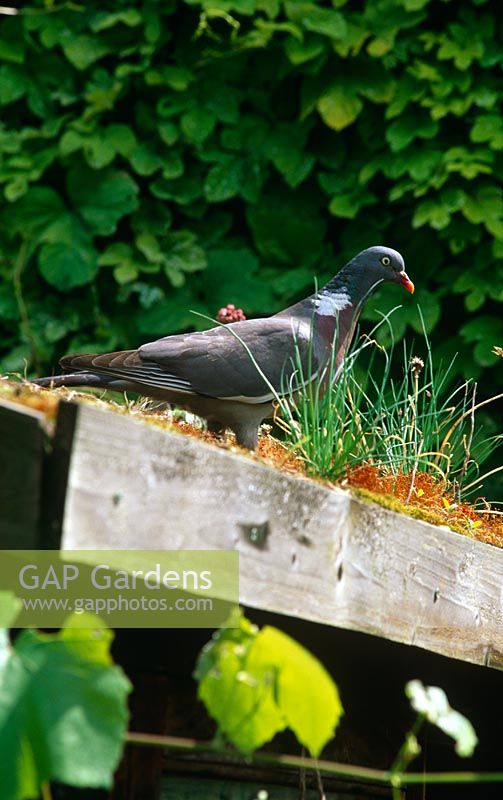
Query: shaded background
[163, 157]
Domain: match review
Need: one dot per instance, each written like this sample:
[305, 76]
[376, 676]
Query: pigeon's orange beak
[406, 281]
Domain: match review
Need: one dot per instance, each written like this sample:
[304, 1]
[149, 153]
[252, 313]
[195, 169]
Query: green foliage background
[158, 157]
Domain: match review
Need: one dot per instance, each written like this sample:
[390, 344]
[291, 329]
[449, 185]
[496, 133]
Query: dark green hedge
[159, 157]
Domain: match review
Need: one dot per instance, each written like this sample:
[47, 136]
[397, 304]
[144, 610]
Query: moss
[417, 512]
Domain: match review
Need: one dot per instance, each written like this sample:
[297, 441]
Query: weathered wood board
[305, 550]
[21, 460]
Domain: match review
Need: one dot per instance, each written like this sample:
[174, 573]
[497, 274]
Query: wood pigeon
[231, 374]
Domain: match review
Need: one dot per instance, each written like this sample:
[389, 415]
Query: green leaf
[150, 247]
[178, 78]
[197, 124]
[120, 256]
[115, 254]
[349, 204]
[104, 20]
[233, 276]
[32, 214]
[102, 198]
[431, 701]
[223, 181]
[125, 273]
[63, 710]
[285, 148]
[168, 315]
[303, 51]
[486, 207]
[406, 128]
[66, 267]
[13, 84]
[84, 50]
[305, 693]
[254, 684]
[98, 152]
[431, 311]
[121, 138]
[12, 46]
[144, 161]
[183, 253]
[323, 20]
[484, 332]
[339, 107]
[16, 188]
[168, 132]
[286, 228]
[488, 128]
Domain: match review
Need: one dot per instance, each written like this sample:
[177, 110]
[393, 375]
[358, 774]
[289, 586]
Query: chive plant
[414, 423]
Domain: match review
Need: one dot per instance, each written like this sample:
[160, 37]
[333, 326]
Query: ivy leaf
[488, 128]
[408, 127]
[183, 253]
[63, 710]
[485, 332]
[486, 207]
[39, 208]
[339, 107]
[102, 198]
[197, 124]
[121, 138]
[12, 41]
[169, 314]
[286, 151]
[13, 84]
[67, 258]
[65, 266]
[233, 276]
[150, 246]
[104, 20]
[286, 228]
[223, 180]
[84, 50]
[321, 20]
[349, 204]
[299, 52]
[144, 161]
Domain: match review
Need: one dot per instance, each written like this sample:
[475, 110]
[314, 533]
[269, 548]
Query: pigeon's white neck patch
[330, 303]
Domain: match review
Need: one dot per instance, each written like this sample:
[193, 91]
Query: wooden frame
[306, 550]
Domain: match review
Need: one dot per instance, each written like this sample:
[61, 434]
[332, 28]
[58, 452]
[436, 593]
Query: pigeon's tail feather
[82, 379]
[86, 361]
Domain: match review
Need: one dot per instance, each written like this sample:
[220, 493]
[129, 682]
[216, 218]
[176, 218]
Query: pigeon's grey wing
[227, 361]
[125, 366]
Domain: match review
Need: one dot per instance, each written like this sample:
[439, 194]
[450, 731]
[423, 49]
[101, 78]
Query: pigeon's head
[383, 264]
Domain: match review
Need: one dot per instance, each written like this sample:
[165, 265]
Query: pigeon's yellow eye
[385, 261]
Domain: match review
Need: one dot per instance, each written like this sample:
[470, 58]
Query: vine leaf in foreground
[63, 711]
[257, 683]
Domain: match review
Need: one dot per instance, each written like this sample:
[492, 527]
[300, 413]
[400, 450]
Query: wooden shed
[379, 597]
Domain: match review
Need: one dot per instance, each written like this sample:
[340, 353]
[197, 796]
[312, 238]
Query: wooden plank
[56, 468]
[21, 459]
[421, 585]
[306, 550]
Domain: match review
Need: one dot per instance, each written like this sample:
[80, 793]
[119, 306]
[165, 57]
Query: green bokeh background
[163, 157]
